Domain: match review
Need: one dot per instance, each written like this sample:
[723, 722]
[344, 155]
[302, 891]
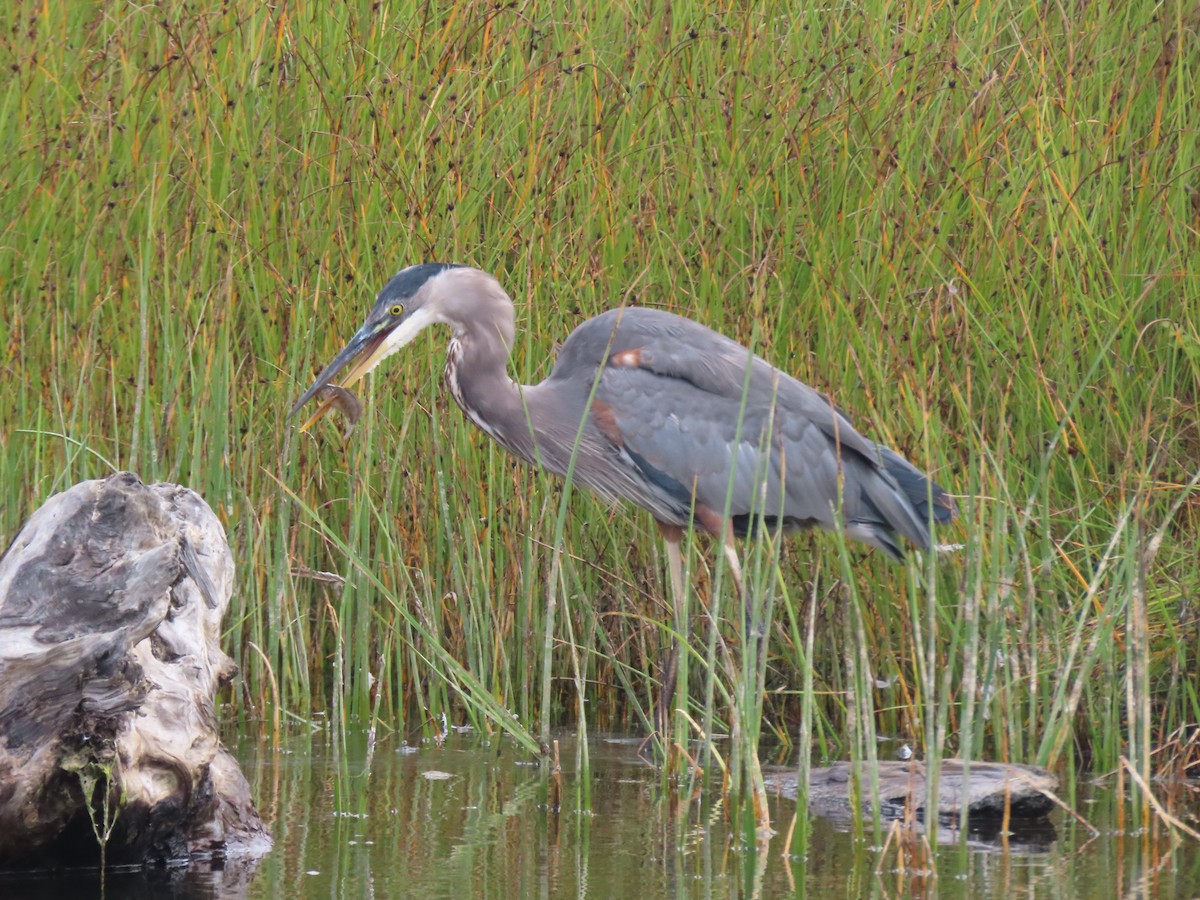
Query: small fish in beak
[364, 351]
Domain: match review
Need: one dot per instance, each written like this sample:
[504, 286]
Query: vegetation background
[975, 225]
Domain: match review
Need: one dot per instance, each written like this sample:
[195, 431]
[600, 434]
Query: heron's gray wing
[672, 346]
[704, 418]
[728, 455]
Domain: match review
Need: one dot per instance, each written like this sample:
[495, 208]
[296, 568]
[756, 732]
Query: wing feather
[705, 418]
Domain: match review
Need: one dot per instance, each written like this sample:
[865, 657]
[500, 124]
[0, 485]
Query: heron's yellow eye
[396, 310]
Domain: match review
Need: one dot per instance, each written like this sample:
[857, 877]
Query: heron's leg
[735, 563]
[673, 539]
[714, 525]
[755, 638]
[735, 570]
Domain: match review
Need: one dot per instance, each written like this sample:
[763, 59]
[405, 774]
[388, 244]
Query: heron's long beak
[365, 350]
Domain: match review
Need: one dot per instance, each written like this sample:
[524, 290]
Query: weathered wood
[986, 788]
[111, 601]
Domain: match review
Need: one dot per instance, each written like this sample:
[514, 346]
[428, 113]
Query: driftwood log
[111, 600]
[987, 789]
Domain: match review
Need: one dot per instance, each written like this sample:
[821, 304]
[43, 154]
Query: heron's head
[413, 299]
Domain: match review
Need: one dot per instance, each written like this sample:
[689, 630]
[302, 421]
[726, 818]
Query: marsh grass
[975, 226]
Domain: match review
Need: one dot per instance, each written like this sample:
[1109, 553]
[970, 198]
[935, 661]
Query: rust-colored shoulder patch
[628, 359]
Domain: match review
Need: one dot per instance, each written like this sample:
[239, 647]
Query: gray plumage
[658, 410]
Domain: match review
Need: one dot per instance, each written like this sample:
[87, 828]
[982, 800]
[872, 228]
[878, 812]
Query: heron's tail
[919, 490]
[901, 504]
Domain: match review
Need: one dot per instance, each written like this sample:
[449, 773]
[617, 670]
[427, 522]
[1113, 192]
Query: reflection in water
[469, 819]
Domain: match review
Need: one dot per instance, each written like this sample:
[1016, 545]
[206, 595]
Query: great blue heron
[656, 409]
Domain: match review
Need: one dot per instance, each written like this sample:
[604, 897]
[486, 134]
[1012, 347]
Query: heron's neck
[478, 380]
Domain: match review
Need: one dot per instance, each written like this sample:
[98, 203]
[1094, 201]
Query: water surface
[469, 818]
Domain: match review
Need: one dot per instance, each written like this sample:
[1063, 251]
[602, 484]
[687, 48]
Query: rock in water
[111, 601]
